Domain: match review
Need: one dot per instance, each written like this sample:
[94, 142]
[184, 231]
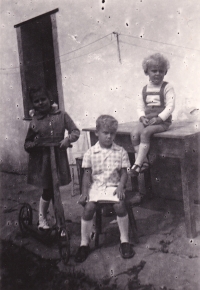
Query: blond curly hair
[158, 58]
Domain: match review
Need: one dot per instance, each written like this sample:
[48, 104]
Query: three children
[48, 125]
[154, 108]
[105, 166]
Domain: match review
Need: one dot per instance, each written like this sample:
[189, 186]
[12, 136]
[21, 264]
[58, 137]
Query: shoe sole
[126, 257]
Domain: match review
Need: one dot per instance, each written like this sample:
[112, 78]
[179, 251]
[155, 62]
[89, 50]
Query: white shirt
[106, 164]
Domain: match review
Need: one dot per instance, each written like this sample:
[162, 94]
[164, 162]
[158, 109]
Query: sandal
[133, 172]
[126, 250]
[82, 254]
[145, 167]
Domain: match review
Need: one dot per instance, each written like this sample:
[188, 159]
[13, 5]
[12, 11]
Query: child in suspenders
[154, 109]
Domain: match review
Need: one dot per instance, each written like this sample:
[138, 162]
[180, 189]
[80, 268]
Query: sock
[43, 207]
[86, 228]
[142, 153]
[123, 228]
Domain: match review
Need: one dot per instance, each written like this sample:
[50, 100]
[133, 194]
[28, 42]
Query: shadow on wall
[13, 163]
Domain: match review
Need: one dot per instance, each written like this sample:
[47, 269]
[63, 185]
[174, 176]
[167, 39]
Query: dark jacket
[49, 129]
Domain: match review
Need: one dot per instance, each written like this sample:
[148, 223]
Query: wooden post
[57, 204]
[57, 63]
[118, 47]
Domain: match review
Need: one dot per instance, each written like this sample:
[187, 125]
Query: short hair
[157, 57]
[106, 121]
[35, 90]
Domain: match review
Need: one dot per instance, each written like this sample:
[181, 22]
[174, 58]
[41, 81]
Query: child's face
[106, 136]
[156, 73]
[41, 103]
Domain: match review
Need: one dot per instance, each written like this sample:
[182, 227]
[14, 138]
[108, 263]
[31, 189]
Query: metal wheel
[64, 245]
[25, 217]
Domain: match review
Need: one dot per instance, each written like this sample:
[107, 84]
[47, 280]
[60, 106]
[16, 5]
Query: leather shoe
[126, 250]
[82, 254]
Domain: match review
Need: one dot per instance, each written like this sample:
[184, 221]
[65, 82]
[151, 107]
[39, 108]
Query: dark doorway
[37, 57]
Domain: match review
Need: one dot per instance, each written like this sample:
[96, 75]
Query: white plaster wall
[94, 81]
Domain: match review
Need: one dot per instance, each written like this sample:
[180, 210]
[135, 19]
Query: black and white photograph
[100, 145]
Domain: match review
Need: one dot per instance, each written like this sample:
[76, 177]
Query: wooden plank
[22, 73]
[57, 203]
[188, 195]
[57, 63]
[178, 129]
[165, 147]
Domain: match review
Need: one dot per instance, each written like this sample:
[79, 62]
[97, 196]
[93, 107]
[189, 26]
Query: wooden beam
[36, 18]
[57, 63]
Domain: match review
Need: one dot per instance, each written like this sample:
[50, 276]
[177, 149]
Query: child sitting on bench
[154, 108]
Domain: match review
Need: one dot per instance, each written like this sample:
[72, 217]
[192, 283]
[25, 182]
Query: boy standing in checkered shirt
[105, 172]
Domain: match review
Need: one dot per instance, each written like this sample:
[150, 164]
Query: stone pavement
[164, 256]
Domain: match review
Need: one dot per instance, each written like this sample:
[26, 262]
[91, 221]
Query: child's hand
[155, 121]
[83, 200]
[144, 120]
[65, 143]
[120, 192]
[30, 145]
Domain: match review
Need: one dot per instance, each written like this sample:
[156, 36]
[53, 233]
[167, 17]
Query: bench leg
[188, 198]
[98, 225]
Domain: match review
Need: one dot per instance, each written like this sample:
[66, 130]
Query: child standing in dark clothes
[154, 108]
[48, 125]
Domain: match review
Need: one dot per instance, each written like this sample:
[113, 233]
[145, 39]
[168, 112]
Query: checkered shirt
[106, 164]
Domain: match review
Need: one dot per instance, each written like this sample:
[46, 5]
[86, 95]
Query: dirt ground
[22, 270]
[165, 258]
